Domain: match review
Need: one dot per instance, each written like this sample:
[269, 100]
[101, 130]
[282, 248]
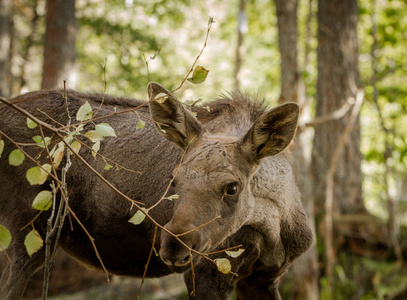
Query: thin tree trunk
[305, 269]
[241, 30]
[27, 44]
[6, 7]
[59, 44]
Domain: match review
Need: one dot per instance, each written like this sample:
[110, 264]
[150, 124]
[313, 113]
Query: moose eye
[232, 188]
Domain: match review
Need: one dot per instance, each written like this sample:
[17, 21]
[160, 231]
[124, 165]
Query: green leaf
[173, 197]
[76, 146]
[223, 265]
[95, 148]
[33, 242]
[152, 57]
[53, 150]
[161, 97]
[1, 147]
[104, 129]
[234, 253]
[40, 142]
[16, 157]
[58, 155]
[36, 175]
[199, 75]
[107, 167]
[93, 136]
[69, 137]
[42, 201]
[138, 217]
[31, 124]
[140, 124]
[5, 238]
[85, 112]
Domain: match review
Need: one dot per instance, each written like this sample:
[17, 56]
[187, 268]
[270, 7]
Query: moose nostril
[182, 262]
[167, 261]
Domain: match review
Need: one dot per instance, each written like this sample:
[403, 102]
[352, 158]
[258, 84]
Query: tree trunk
[305, 269]
[338, 80]
[59, 44]
[241, 30]
[336, 166]
[6, 28]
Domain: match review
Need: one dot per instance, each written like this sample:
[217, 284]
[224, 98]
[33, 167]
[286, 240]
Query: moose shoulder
[234, 173]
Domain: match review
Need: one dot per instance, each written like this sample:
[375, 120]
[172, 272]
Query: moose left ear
[176, 123]
[272, 132]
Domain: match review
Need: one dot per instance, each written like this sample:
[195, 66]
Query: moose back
[234, 172]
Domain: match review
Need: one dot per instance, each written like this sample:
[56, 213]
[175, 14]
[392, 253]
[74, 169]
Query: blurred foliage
[391, 60]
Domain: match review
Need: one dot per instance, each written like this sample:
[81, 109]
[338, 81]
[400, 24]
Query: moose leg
[247, 289]
[15, 275]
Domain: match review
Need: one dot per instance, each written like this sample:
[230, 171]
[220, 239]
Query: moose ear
[176, 123]
[272, 132]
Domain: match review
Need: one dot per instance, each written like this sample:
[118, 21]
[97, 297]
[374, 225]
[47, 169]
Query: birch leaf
[1, 147]
[173, 197]
[93, 136]
[36, 175]
[85, 112]
[104, 129]
[199, 75]
[161, 97]
[76, 146]
[42, 201]
[16, 157]
[223, 265]
[234, 253]
[31, 124]
[40, 143]
[95, 148]
[5, 238]
[58, 155]
[140, 124]
[33, 242]
[107, 167]
[139, 217]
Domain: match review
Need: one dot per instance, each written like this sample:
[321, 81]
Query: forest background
[343, 62]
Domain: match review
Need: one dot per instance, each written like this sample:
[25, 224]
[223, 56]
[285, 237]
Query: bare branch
[333, 116]
[148, 261]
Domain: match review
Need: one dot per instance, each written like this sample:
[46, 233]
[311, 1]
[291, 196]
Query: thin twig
[193, 274]
[104, 89]
[333, 116]
[200, 226]
[227, 249]
[172, 179]
[197, 58]
[148, 261]
[48, 241]
[10, 272]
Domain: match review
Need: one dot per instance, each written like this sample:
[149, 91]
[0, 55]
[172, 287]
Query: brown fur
[231, 143]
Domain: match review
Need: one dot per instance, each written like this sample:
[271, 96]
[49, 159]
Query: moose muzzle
[172, 251]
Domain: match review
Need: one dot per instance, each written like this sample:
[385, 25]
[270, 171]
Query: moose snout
[174, 253]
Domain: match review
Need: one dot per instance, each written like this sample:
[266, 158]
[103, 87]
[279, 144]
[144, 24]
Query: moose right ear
[176, 123]
[272, 132]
